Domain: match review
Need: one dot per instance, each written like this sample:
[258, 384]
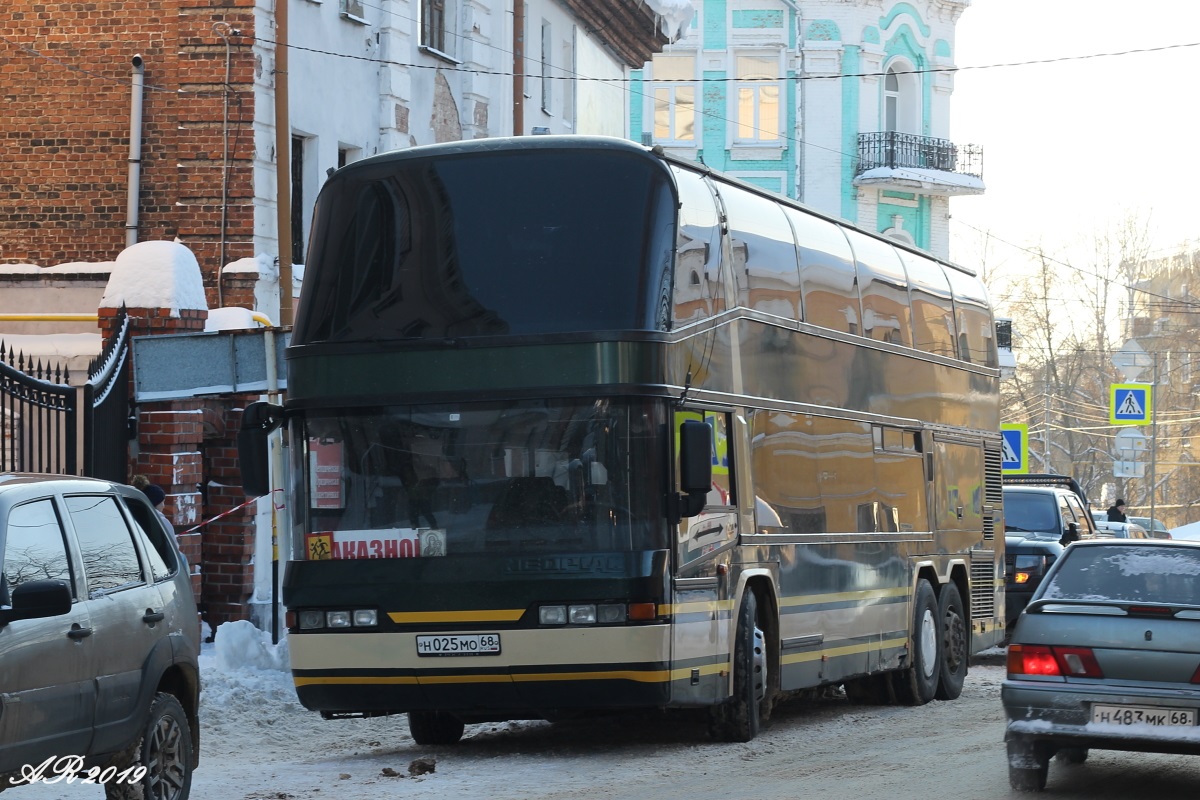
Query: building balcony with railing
[923, 164]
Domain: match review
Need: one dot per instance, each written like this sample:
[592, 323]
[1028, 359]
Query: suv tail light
[1060, 662]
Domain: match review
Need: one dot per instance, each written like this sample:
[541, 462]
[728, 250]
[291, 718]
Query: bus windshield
[506, 478]
[465, 246]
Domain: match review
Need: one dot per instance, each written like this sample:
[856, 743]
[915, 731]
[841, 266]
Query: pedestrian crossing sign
[1015, 453]
[1130, 403]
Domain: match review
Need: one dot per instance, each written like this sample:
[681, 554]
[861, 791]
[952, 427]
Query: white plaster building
[371, 77]
[842, 104]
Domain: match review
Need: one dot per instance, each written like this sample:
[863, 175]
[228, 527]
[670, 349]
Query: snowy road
[258, 744]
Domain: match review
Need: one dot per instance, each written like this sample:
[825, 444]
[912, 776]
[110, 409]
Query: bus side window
[932, 306]
[698, 289]
[883, 286]
[976, 328]
[764, 253]
[827, 278]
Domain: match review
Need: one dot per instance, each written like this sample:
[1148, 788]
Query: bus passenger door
[703, 547]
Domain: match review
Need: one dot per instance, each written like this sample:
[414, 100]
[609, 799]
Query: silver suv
[99, 640]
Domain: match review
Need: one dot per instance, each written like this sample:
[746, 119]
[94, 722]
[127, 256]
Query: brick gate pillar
[159, 285]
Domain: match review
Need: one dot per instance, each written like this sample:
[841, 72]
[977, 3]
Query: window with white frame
[674, 103]
[547, 80]
[351, 8]
[567, 69]
[437, 26]
[900, 100]
[757, 95]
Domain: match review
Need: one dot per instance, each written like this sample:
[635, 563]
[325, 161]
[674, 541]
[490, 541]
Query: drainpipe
[223, 30]
[135, 152]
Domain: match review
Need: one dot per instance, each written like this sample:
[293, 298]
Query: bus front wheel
[917, 684]
[739, 718]
[434, 727]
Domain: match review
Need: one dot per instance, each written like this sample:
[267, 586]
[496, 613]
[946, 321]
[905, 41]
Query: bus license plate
[459, 644]
[1143, 715]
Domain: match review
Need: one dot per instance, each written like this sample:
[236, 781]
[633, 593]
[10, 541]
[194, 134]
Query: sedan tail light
[1063, 662]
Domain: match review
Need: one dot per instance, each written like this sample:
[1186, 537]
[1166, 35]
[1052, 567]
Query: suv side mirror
[37, 599]
[1071, 534]
[695, 466]
[254, 453]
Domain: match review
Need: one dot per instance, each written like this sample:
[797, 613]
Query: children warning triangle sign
[1130, 403]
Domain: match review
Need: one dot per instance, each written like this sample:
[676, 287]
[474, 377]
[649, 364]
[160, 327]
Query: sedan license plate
[459, 644]
[1143, 715]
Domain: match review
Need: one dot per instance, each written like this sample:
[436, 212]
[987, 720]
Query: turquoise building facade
[842, 105]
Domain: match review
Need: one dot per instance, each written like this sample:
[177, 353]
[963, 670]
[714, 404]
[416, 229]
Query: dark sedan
[1106, 656]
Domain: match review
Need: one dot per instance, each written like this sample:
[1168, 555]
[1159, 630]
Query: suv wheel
[165, 750]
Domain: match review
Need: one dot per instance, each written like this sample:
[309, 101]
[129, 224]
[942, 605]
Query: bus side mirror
[695, 466]
[258, 420]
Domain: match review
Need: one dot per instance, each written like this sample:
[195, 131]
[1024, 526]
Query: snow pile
[155, 275]
[239, 645]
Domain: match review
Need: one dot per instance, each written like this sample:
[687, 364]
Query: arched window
[891, 100]
[901, 99]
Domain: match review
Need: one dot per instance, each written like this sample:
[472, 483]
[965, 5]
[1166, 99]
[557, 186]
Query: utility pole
[1046, 423]
[518, 67]
[1154, 439]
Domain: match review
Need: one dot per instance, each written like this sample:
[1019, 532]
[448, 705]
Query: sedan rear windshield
[1128, 574]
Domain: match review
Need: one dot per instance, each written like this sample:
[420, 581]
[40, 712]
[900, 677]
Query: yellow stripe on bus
[841, 597]
[850, 649]
[640, 676]
[700, 606]
[350, 680]
[496, 615]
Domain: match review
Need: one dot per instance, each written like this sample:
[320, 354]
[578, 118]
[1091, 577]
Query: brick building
[70, 84]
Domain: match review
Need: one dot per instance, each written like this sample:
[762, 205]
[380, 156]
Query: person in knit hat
[157, 497]
[1116, 512]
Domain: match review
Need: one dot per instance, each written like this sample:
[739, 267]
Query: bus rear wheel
[434, 727]
[955, 643]
[739, 719]
[917, 684]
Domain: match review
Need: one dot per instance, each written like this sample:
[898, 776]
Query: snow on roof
[155, 275]
[63, 345]
[18, 269]
[231, 318]
[674, 16]
[922, 178]
[262, 264]
[76, 267]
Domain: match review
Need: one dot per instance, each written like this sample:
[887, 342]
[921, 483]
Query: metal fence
[48, 425]
[894, 149]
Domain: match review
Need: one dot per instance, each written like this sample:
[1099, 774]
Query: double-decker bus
[576, 426]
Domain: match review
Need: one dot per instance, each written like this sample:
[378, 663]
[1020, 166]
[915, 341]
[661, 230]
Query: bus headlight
[311, 619]
[337, 619]
[552, 615]
[365, 617]
[582, 614]
[610, 612]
